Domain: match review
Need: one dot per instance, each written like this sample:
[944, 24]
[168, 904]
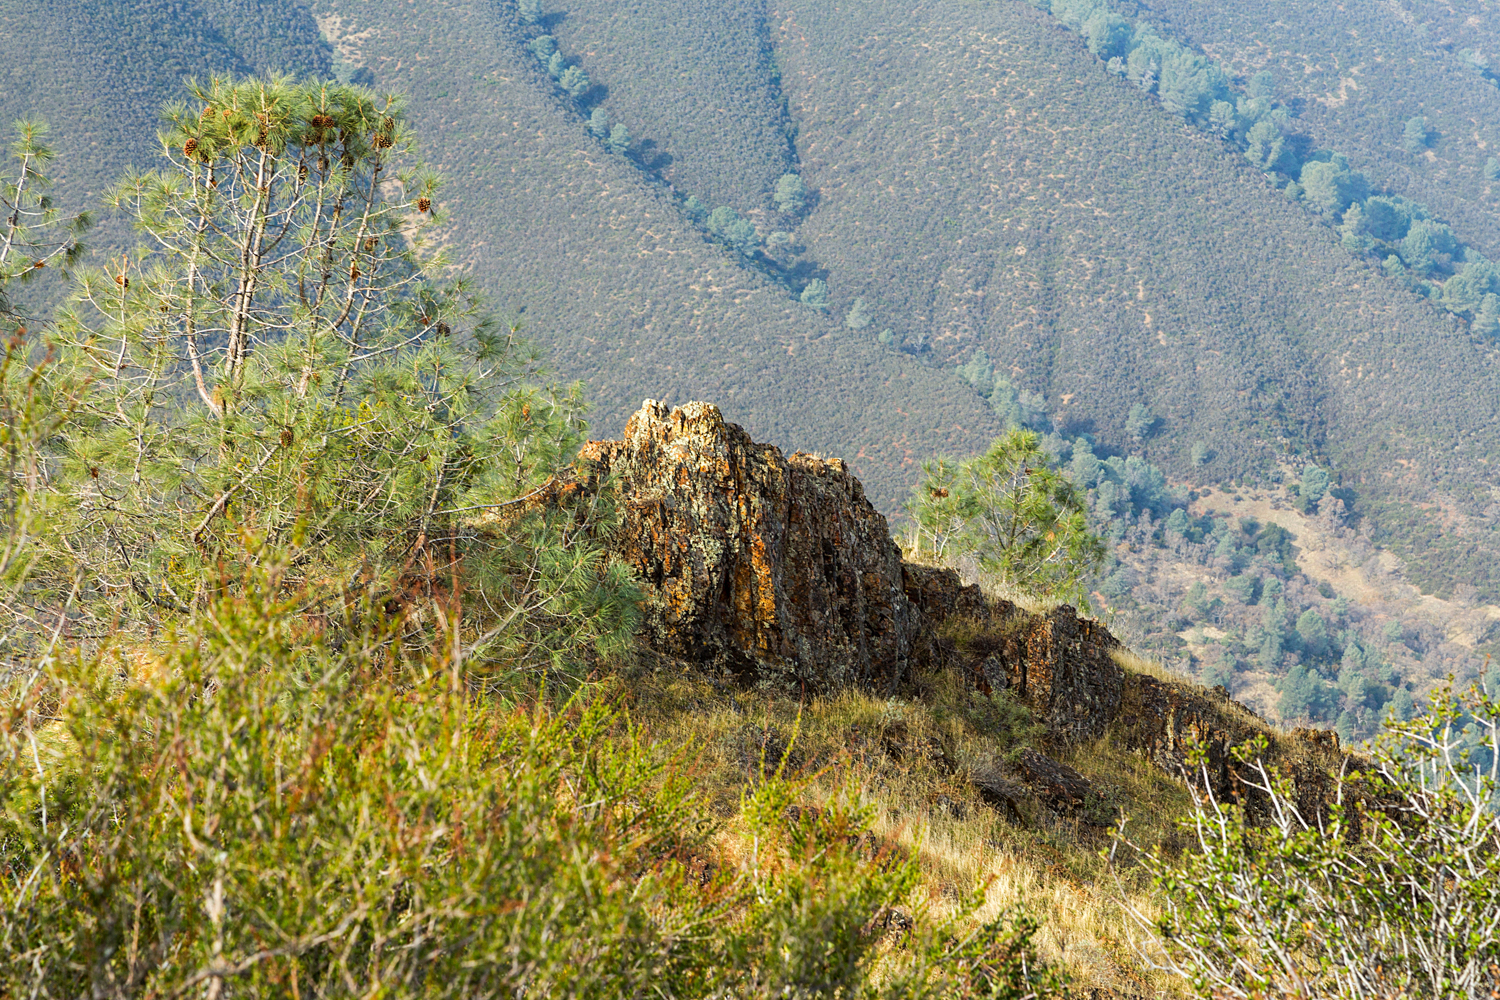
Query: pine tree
[1013, 513]
[281, 360]
[33, 234]
[619, 140]
[858, 317]
[791, 194]
[815, 294]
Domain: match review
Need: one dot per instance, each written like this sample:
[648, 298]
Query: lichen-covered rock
[1194, 733]
[1058, 664]
[776, 569]
[1065, 672]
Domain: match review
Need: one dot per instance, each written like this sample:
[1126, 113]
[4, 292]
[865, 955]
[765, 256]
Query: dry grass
[909, 762]
[971, 575]
[1134, 663]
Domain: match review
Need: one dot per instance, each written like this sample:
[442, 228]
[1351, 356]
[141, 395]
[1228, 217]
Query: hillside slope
[618, 286]
[1356, 78]
[100, 70]
[978, 181]
[987, 183]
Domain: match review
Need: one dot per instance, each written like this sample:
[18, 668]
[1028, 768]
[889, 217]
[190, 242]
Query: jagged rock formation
[775, 569]
[778, 571]
[1057, 663]
[1193, 733]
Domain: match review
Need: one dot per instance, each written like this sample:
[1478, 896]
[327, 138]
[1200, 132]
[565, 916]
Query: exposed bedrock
[777, 570]
[774, 568]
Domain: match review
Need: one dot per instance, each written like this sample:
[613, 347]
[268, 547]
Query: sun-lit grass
[910, 762]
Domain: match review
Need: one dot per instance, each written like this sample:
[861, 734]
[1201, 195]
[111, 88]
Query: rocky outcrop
[1057, 663]
[779, 572]
[1195, 734]
[775, 569]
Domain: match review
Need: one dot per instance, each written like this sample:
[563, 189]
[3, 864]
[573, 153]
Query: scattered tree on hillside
[1416, 135]
[1013, 513]
[619, 139]
[574, 80]
[858, 316]
[815, 294]
[735, 231]
[1139, 421]
[791, 194]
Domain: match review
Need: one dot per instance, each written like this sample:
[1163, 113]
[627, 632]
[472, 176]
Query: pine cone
[323, 163]
[370, 244]
[347, 160]
[424, 204]
[389, 124]
[443, 330]
[262, 137]
[190, 147]
[122, 281]
[301, 172]
[353, 272]
[208, 113]
[381, 141]
[322, 121]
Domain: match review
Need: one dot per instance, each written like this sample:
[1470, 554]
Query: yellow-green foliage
[910, 761]
[272, 807]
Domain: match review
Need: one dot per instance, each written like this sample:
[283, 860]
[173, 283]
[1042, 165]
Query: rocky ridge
[777, 571]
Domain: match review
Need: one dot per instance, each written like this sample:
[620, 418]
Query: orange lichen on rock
[776, 569]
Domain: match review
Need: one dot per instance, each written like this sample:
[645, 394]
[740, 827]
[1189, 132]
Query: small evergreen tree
[575, 81]
[1012, 512]
[858, 316]
[619, 140]
[1139, 421]
[791, 194]
[544, 47]
[733, 230]
[815, 294]
[1416, 136]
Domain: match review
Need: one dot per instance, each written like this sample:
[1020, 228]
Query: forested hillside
[1358, 80]
[100, 71]
[819, 215]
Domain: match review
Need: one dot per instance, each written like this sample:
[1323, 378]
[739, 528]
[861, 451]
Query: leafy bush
[279, 806]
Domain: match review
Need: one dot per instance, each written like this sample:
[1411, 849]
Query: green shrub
[1389, 888]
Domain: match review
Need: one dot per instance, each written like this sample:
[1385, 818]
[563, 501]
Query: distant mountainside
[988, 224]
[1358, 73]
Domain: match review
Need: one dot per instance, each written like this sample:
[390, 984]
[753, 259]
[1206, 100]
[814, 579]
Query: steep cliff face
[775, 569]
